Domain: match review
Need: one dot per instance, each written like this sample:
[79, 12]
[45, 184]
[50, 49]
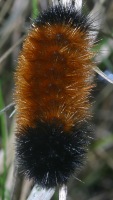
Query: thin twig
[102, 74]
[17, 185]
[13, 112]
[63, 193]
[26, 188]
[102, 32]
[7, 108]
[9, 51]
[41, 194]
[9, 180]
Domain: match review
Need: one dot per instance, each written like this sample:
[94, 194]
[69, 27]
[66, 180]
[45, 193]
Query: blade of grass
[4, 140]
[34, 9]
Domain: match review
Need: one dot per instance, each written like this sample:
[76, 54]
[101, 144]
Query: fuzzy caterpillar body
[53, 83]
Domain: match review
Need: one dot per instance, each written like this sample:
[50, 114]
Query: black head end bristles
[49, 155]
[60, 14]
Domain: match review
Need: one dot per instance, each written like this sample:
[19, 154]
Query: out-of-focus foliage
[97, 175]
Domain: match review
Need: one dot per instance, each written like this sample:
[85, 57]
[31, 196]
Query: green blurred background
[96, 177]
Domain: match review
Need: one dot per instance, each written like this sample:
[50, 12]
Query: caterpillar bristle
[54, 80]
[49, 155]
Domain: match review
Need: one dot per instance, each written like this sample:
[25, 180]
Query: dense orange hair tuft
[55, 72]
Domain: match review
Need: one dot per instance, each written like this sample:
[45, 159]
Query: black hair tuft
[49, 155]
[59, 14]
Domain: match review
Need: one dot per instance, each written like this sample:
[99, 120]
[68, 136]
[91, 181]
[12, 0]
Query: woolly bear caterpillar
[54, 79]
